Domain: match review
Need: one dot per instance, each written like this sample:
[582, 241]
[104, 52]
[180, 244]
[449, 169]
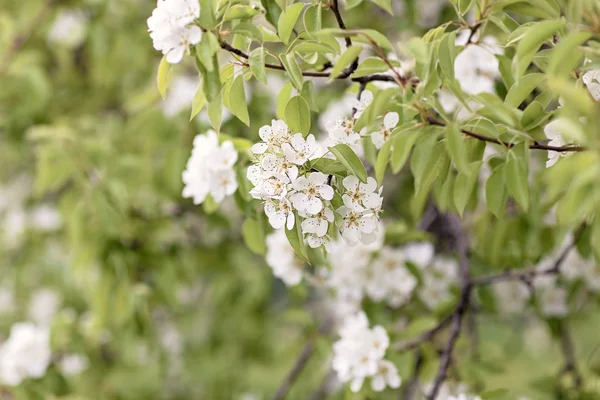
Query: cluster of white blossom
[282, 180]
[551, 297]
[171, 27]
[282, 258]
[209, 169]
[25, 354]
[341, 128]
[359, 354]
[511, 296]
[378, 272]
[73, 364]
[69, 28]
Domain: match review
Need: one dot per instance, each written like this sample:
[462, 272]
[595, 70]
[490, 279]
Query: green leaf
[287, 21]
[516, 179]
[282, 100]
[529, 44]
[273, 11]
[268, 35]
[495, 193]
[312, 18]
[257, 64]
[309, 46]
[345, 60]
[447, 54]
[294, 236]
[566, 56]
[253, 232]
[522, 88]
[308, 94]
[297, 115]
[207, 19]
[402, 145]
[344, 154]
[240, 11]
[206, 49]
[385, 4]
[372, 65]
[495, 394]
[465, 5]
[456, 148]
[383, 159]
[293, 70]
[211, 81]
[329, 166]
[198, 102]
[237, 100]
[249, 30]
[595, 239]
[464, 186]
[370, 36]
[215, 113]
[536, 8]
[418, 326]
[163, 78]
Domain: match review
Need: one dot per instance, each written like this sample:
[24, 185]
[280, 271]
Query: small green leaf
[344, 154]
[464, 186]
[211, 81]
[522, 88]
[516, 180]
[249, 30]
[206, 49]
[240, 11]
[402, 145]
[287, 21]
[312, 18]
[329, 166]
[529, 44]
[273, 11]
[268, 35]
[447, 54]
[566, 56]
[456, 148]
[237, 100]
[293, 70]
[297, 115]
[163, 78]
[208, 19]
[345, 60]
[296, 240]
[372, 65]
[383, 158]
[282, 100]
[215, 113]
[253, 233]
[385, 4]
[495, 193]
[257, 64]
[198, 102]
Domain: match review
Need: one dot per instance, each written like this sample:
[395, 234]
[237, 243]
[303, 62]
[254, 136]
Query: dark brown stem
[298, 367]
[508, 145]
[340, 20]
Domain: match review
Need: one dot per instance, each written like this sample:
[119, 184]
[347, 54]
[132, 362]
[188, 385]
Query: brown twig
[19, 41]
[535, 145]
[298, 367]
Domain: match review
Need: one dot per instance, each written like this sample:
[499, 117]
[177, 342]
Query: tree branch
[528, 274]
[568, 351]
[424, 337]
[305, 355]
[535, 145]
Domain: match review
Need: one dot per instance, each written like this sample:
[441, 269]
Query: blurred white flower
[282, 259]
[44, 304]
[73, 364]
[25, 354]
[383, 134]
[512, 296]
[180, 95]
[45, 218]
[69, 28]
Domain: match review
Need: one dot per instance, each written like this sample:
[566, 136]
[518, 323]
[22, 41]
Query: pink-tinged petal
[259, 148]
[290, 221]
[326, 192]
[350, 182]
[391, 120]
[317, 178]
[313, 205]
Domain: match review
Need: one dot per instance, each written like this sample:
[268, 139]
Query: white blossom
[171, 30]
[280, 213]
[25, 354]
[300, 150]
[591, 79]
[45, 218]
[69, 28]
[387, 278]
[282, 259]
[383, 134]
[358, 225]
[512, 296]
[366, 97]
[73, 364]
[476, 66]
[44, 304]
[359, 352]
[180, 96]
[554, 133]
[316, 227]
[552, 299]
[209, 169]
[310, 193]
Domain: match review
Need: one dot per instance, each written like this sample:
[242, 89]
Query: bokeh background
[157, 297]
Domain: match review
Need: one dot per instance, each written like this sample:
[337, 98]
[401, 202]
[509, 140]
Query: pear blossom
[386, 375]
[512, 296]
[366, 97]
[300, 150]
[73, 364]
[44, 304]
[280, 214]
[554, 133]
[591, 79]
[69, 28]
[476, 66]
[209, 169]
[316, 226]
[383, 134]
[310, 192]
[360, 195]
[341, 131]
[357, 224]
[273, 136]
[552, 299]
[171, 29]
[25, 354]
